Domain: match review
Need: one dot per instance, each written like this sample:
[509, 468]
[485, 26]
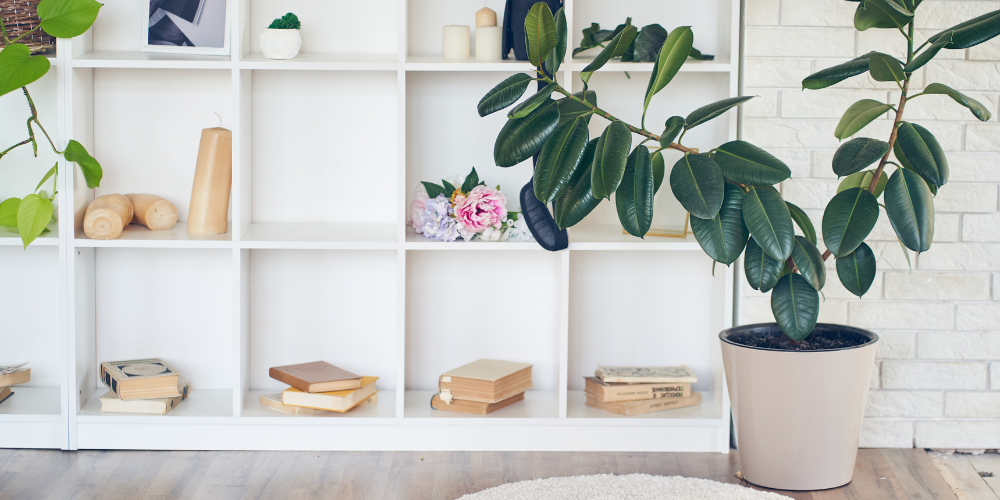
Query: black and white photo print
[187, 26]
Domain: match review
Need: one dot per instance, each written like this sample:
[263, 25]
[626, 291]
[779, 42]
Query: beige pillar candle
[213, 180]
[486, 17]
[153, 212]
[489, 43]
[456, 42]
[107, 217]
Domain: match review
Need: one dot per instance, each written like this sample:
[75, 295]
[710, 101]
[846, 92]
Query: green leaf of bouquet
[48, 175]
[532, 103]
[92, 171]
[540, 33]
[614, 48]
[862, 180]
[671, 129]
[885, 68]
[578, 200]
[802, 220]
[857, 154]
[858, 116]
[558, 54]
[434, 190]
[504, 94]
[836, 74]
[67, 18]
[672, 56]
[559, 158]
[449, 188]
[762, 270]
[8, 212]
[769, 221]
[795, 304]
[724, 237]
[848, 219]
[634, 196]
[712, 111]
[697, 183]
[659, 170]
[570, 109]
[610, 158]
[18, 68]
[521, 138]
[471, 181]
[33, 215]
[809, 261]
[977, 108]
[918, 150]
[857, 270]
[910, 206]
[745, 163]
[884, 14]
[925, 57]
[972, 32]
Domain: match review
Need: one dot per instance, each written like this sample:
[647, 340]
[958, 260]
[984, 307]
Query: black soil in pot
[825, 337]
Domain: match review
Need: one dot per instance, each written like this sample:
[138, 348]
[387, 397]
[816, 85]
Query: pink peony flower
[483, 207]
[417, 210]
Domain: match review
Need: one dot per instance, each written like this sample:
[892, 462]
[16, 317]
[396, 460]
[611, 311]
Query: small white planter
[280, 44]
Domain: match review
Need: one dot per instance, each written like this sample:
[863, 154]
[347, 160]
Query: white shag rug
[630, 487]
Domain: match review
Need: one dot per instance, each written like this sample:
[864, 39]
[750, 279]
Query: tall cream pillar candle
[213, 179]
[456, 42]
[489, 42]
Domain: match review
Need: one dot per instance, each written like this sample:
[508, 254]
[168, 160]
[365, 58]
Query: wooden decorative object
[153, 211]
[20, 17]
[213, 179]
[107, 217]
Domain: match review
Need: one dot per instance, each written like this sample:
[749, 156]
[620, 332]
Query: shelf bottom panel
[31, 418]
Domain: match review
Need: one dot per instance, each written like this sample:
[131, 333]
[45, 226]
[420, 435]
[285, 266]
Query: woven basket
[20, 17]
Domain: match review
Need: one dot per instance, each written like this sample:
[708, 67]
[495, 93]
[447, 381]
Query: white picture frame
[199, 25]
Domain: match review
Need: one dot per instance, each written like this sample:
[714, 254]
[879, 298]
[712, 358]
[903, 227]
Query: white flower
[487, 233]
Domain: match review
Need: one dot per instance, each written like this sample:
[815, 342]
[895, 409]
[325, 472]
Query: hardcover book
[628, 408]
[339, 401]
[5, 393]
[140, 378]
[475, 407]
[646, 374]
[611, 391]
[160, 406]
[486, 381]
[318, 376]
[19, 376]
[273, 401]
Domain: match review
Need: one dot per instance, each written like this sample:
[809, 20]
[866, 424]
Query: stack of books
[630, 390]
[12, 375]
[141, 386]
[482, 386]
[319, 386]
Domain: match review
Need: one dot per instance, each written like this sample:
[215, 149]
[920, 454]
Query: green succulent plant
[286, 22]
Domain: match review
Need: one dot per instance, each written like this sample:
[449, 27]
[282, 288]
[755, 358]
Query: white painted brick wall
[936, 381]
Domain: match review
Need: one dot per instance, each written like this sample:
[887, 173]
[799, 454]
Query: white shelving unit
[319, 264]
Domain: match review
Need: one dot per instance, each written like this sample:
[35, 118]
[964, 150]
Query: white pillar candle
[456, 42]
[489, 42]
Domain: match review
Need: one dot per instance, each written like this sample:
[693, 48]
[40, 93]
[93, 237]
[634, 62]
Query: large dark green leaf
[559, 158]
[67, 18]
[540, 33]
[697, 183]
[885, 68]
[835, 74]
[673, 127]
[659, 170]
[570, 109]
[858, 115]
[762, 270]
[972, 32]
[33, 215]
[634, 197]
[848, 219]
[672, 56]
[809, 262]
[918, 150]
[925, 57]
[647, 43]
[614, 48]
[745, 163]
[521, 138]
[857, 270]
[795, 304]
[910, 206]
[975, 106]
[18, 68]
[610, 158]
[857, 154]
[577, 200]
[504, 94]
[863, 180]
[802, 220]
[724, 237]
[714, 110]
[558, 54]
[92, 171]
[532, 103]
[881, 14]
[769, 221]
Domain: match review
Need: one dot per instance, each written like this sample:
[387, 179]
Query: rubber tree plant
[729, 190]
[30, 215]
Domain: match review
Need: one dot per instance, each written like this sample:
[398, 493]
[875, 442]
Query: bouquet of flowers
[474, 210]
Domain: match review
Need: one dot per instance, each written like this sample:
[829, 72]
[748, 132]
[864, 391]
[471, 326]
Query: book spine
[110, 381]
[623, 393]
[651, 405]
[285, 378]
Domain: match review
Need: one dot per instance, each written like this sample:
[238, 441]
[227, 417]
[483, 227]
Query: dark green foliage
[286, 22]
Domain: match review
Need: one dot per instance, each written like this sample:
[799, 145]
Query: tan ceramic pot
[798, 413]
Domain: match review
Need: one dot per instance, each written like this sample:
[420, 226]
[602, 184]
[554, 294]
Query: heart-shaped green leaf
[697, 182]
[634, 197]
[724, 237]
[884, 14]
[558, 54]
[910, 206]
[559, 158]
[857, 154]
[610, 158]
[570, 109]
[858, 115]
[802, 220]
[540, 33]
[504, 94]
[857, 270]
[8, 212]
[67, 18]
[659, 170]
[836, 74]
[745, 163]
[33, 215]
[577, 200]
[848, 219]
[795, 304]
[614, 48]
[917, 149]
[925, 57]
[521, 138]
[712, 111]
[18, 68]
[767, 217]
[885, 68]
[762, 270]
[532, 103]
[672, 128]
[809, 262]
[674, 52]
[975, 106]
[862, 180]
[972, 32]
[92, 171]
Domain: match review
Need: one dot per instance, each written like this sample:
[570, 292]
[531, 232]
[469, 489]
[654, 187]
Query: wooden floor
[134, 475]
